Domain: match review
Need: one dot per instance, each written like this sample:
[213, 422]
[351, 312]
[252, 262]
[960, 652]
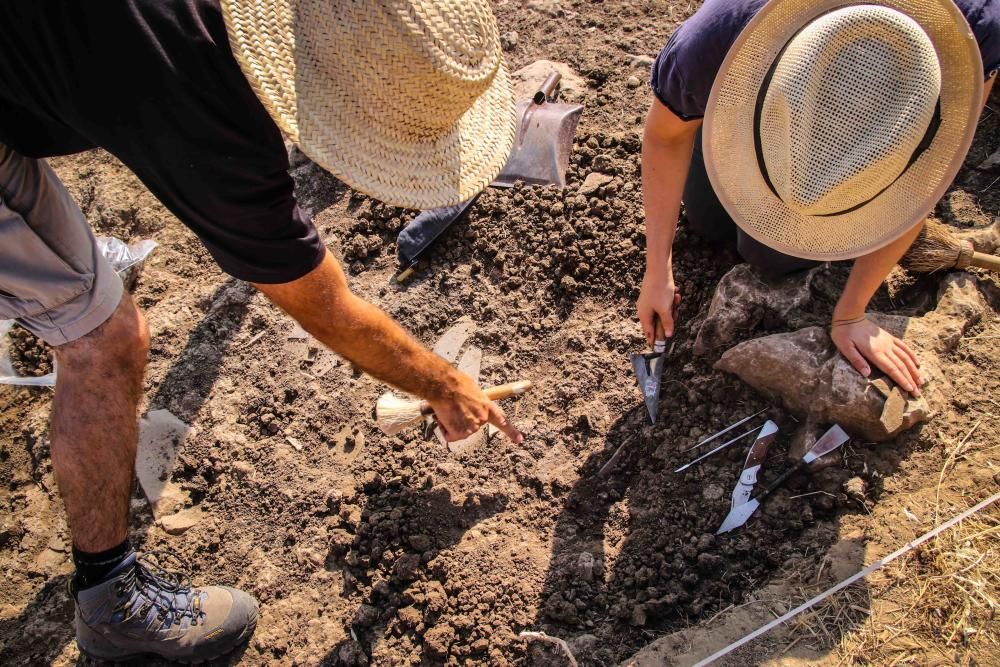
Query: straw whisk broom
[938, 249]
[393, 413]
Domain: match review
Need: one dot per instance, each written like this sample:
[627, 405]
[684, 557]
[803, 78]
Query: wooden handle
[508, 390]
[659, 333]
[984, 261]
[493, 393]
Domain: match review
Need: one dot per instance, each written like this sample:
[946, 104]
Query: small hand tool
[755, 458]
[649, 369]
[725, 431]
[739, 514]
[723, 446]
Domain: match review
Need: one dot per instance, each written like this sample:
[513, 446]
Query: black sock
[92, 568]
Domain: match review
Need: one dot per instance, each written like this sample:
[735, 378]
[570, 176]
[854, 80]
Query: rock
[420, 542]
[892, 413]
[528, 80]
[992, 162]
[603, 164]
[405, 568]
[583, 645]
[161, 435]
[438, 641]
[593, 181]
[855, 488]
[639, 61]
[181, 522]
[740, 298]
[365, 616]
[638, 616]
[508, 40]
[351, 654]
[551, 8]
[805, 372]
[712, 492]
[585, 566]
[633, 82]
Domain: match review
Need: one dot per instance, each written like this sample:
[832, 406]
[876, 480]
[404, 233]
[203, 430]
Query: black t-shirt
[154, 83]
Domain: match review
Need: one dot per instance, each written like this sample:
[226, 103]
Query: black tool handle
[548, 88]
[781, 480]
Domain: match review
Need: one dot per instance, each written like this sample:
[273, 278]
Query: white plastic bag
[127, 261]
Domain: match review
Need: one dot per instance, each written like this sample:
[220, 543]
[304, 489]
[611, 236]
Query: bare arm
[666, 157]
[323, 304]
[860, 340]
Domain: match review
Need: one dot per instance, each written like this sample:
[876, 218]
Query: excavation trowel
[739, 513]
[649, 369]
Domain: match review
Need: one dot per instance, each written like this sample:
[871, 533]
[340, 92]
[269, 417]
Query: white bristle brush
[393, 414]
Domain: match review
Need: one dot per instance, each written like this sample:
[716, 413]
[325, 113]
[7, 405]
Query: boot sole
[240, 642]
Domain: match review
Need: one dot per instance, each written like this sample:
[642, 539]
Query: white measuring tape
[847, 582]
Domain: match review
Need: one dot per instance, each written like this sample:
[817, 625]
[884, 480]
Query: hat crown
[419, 65]
[850, 100]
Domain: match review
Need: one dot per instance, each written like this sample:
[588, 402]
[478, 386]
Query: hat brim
[319, 111]
[731, 157]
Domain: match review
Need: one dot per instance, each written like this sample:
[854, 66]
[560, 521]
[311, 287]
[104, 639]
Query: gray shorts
[53, 278]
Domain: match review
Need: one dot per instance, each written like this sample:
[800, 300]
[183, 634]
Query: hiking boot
[141, 609]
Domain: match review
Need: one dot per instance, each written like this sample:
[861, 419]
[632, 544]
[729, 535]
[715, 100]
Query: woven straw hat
[406, 100]
[833, 127]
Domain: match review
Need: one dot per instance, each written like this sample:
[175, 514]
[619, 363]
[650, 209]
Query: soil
[364, 548]
[30, 356]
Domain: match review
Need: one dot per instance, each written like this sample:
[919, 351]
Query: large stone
[805, 372]
[743, 299]
[181, 522]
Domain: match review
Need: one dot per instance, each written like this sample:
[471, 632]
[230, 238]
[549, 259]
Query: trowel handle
[493, 393]
[781, 480]
[508, 390]
[984, 261]
[548, 88]
[659, 335]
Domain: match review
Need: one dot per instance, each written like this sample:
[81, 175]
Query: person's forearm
[868, 273]
[361, 333]
[665, 165]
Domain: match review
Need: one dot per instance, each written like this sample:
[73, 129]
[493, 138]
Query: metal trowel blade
[648, 371]
[738, 516]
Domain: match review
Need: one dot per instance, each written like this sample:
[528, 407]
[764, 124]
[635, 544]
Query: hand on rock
[863, 342]
[658, 297]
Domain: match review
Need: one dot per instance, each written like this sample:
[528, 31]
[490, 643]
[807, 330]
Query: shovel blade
[542, 145]
[738, 516]
[648, 371]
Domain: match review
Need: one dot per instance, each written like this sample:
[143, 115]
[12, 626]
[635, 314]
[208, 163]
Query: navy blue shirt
[685, 70]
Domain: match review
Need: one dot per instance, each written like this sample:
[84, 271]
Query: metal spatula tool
[649, 370]
[739, 514]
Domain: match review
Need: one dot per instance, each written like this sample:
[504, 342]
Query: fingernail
[866, 372]
[519, 439]
[670, 333]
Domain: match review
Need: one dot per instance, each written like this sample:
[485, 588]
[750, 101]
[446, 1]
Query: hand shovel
[544, 139]
[649, 369]
[740, 513]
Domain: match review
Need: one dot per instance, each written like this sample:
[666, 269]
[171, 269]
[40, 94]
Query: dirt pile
[30, 356]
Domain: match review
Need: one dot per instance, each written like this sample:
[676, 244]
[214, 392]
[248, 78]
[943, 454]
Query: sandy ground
[363, 547]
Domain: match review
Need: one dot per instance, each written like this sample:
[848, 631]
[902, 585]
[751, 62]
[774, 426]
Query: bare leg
[94, 426]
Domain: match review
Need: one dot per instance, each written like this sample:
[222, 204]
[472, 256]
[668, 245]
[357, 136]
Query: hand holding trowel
[649, 365]
[744, 509]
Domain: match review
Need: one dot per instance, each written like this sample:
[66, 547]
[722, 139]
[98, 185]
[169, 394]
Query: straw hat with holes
[834, 127]
[406, 100]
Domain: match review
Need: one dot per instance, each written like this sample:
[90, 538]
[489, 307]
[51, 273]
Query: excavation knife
[739, 514]
[649, 369]
[755, 457]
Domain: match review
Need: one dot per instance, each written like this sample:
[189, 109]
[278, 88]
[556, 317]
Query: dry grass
[935, 605]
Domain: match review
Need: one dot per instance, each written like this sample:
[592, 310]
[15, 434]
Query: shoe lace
[162, 588]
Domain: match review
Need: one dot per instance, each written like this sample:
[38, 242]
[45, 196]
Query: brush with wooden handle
[393, 414]
[938, 249]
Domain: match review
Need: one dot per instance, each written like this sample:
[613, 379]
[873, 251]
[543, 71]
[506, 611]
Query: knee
[120, 344]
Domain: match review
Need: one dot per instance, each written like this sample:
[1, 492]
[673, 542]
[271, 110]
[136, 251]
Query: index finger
[499, 419]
